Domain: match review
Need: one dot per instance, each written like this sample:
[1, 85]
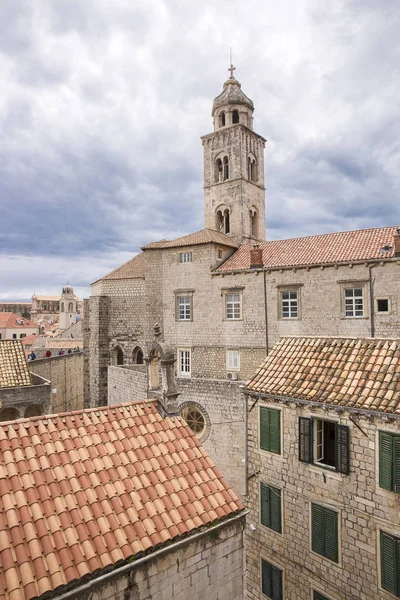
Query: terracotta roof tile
[329, 248]
[14, 371]
[204, 236]
[84, 511]
[132, 269]
[343, 372]
[9, 319]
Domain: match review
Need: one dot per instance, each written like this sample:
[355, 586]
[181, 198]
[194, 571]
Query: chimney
[396, 242]
[256, 257]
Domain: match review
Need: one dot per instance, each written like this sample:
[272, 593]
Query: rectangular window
[319, 596]
[390, 563]
[22, 335]
[353, 302]
[184, 362]
[184, 308]
[185, 257]
[14, 336]
[233, 306]
[232, 360]
[324, 532]
[270, 507]
[324, 443]
[271, 581]
[389, 461]
[289, 304]
[270, 429]
[382, 305]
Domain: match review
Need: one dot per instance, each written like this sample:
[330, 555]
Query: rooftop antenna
[231, 68]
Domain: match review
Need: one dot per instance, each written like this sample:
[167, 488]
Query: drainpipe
[266, 312]
[371, 298]
[246, 445]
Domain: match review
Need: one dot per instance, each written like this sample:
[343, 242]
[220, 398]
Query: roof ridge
[317, 235]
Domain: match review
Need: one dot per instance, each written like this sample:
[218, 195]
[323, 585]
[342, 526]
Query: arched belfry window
[70, 307]
[226, 168]
[218, 171]
[118, 356]
[252, 169]
[223, 220]
[222, 119]
[62, 306]
[253, 223]
[235, 117]
[137, 356]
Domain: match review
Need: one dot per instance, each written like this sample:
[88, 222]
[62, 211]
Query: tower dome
[231, 94]
[68, 289]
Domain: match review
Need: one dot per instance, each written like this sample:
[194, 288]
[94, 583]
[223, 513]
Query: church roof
[357, 373]
[88, 490]
[14, 370]
[132, 269]
[231, 94]
[329, 248]
[204, 236]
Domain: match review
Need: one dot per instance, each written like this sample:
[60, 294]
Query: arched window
[137, 356]
[117, 357]
[9, 414]
[222, 119]
[235, 117]
[253, 223]
[70, 307]
[252, 169]
[218, 170]
[34, 410]
[62, 306]
[226, 168]
[223, 221]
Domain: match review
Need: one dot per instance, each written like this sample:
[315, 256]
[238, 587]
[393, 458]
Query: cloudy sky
[103, 102]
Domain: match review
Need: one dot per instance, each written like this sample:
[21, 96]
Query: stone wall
[66, 376]
[126, 384]
[209, 568]
[363, 507]
[33, 398]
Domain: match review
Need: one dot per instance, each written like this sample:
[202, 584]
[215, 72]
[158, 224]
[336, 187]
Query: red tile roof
[329, 248]
[204, 236]
[132, 269]
[82, 491]
[357, 373]
[11, 320]
[14, 370]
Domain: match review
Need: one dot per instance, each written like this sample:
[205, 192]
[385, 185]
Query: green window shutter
[305, 440]
[275, 430]
[276, 583]
[318, 596]
[331, 534]
[389, 572]
[317, 529]
[265, 505]
[342, 448]
[266, 578]
[396, 464]
[385, 461]
[264, 428]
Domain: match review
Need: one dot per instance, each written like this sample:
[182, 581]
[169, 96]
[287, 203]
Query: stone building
[223, 296]
[116, 502]
[68, 308]
[323, 471]
[23, 309]
[45, 307]
[15, 327]
[22, 394]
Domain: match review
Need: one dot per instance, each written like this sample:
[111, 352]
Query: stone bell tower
[234, 192]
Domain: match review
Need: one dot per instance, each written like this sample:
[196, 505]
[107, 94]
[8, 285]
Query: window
[233, 306]
[14, 336]
[271, 581]
[185, 257]
[270, 429]
[235, 117]
[389, 461]
[226, 168]
[222, 119]
[218, 171]
[194, 419]
[319, 596]
[219, 253]
[270, 507]
[324, 532]
[353, 302]
[184, 308]
[184, 360]
[223, 221]
[22, 335]
[289, 304]
[324, 443]
[390, 563]
[232, 360]
[382, 305]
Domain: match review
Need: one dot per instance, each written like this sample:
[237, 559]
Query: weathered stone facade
[25, 401]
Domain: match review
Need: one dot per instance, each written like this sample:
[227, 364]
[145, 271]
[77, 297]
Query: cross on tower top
[231, 69]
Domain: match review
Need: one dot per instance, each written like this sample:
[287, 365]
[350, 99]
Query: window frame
[272, 490]
[232, 292]
[185, 257]
[289, 288]
[394, 453]
[278, 452]
[396, 537]
[382, 312]
[229, 367]
[183, 294]
[354, 284]
[307, 444]
[338, 532]
[184, 374]
[279, 568]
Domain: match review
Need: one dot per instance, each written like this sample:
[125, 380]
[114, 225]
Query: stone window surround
[180, 294]
[352, 284]
[395, 532]
[184, 374]
[317, 588]
[289, 287]
[383, 312]
[228, 367]
[185, 257]
[275, 455]
[224, 294]
[278, 566]
[328, 471]
[334, 508]
[270, 484]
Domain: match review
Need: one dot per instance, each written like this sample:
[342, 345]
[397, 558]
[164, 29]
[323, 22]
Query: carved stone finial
[157, 330]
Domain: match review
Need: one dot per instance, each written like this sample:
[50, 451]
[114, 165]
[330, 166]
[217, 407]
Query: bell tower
[234, 192]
